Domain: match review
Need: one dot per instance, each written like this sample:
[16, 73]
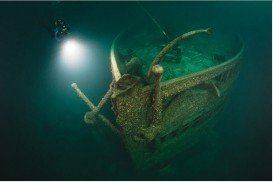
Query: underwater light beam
[73, 53]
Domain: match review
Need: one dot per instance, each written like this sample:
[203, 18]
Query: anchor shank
[105, 98]
[82, 96]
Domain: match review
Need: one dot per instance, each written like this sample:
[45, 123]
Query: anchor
[91, 116]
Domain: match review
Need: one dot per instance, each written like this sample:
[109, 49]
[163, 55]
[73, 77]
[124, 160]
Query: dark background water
[42, 133]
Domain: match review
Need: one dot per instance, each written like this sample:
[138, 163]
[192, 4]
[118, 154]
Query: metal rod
[157, 105]
[105, 98]
[173, 44]
[106, 121]
[82, 96]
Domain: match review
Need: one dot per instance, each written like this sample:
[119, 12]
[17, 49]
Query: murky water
[42, 133]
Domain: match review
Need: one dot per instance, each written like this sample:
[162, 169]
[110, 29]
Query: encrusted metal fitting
[157, 71]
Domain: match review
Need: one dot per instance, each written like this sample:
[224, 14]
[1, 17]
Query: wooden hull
[190, 104]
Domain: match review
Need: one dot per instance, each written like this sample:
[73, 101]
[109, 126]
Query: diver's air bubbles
[74, 54]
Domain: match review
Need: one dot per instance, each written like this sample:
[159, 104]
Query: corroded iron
[174, 43]
[157, 72]
[90, 117]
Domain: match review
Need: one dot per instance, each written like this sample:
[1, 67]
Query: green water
[42, 133]
[192, 55]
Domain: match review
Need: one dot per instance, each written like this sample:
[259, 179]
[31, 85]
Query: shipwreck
[166, 92]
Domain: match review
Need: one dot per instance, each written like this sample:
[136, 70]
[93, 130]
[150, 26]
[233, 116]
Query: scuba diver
[60, 29]
[50, 20]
